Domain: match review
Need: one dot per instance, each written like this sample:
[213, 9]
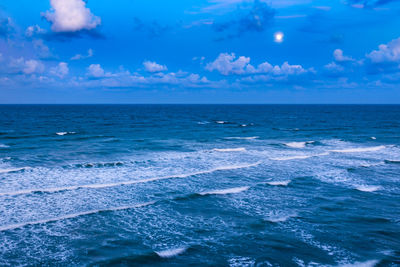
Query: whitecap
[280, 217]
[242, 138]
[239, 149]
[64, 133]
[4, 146]
[203, 122]
[373, 137]
[370, 263]
[221, 122]
[131, 182]
[300, 156]
[359, 149]
[279, 183]
[13, 170]
[368, 188]
[298, 144]
[169, 253]
[71, 216]
[226, 191]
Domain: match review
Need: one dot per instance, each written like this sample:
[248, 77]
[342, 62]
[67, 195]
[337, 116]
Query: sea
[200, 185]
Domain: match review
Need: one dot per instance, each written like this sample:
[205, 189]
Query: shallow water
[201, 185]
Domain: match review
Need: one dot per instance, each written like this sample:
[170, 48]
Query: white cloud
[61, 70]
[386, 53]
[333, 67]
[339, 57]
[79, 56]
[154, 67]
[26, 66]
[228, 64]
[71, 16]
[33, 30]
[96, 71]
[42, 49]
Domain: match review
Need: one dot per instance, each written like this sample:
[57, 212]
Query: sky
[203, 51]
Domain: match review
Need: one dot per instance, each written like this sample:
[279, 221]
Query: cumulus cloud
[151, 66]
[228, 64]
[96, 71]
[71, 16]
[80, 56]
[61, 70]
[31, 66]
[386, 53]
[340, 57]
[34, 30]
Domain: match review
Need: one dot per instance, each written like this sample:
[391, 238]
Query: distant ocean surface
[199, 185]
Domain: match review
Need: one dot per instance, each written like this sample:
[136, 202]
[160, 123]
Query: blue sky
[204, 51]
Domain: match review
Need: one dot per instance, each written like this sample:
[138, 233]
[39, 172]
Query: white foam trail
[220, 122]
[98, 186]
[368, 188]
[373, 137]
[70, 216]
[279, 183]
[360, 149]
[298, 144]
[203, 122]
[242, 138]
[64, 133]
[4, 146]
[281, 218]
[169, 253]
[13, 170]
[226, 191]
[370, 263]
[239, 149]
[300, 156]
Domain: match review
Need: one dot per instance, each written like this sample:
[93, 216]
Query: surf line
[98, 186]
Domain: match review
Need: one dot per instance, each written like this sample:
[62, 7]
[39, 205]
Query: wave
[4, 146]
[64, 133]
[360, 149]
[300, 156]
[71, 216]
[203, 122]
[242, 138]
[169, 253]
[99, 165]
[370, 263]
[279, 183]
[298, 144]
[221, 122]
[373, 137]
[392, 161]
[239, 149]
[132, 182]
[280, 218]
[368, 188]
[225, 191]
[13, 170]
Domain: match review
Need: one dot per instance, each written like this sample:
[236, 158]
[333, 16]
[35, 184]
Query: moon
[278, 37]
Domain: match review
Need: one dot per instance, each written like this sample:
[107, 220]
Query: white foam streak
[298, 144]
[300, 156]
[279, 183]
[360, 149]
[239, 149]
[281, 218]
[368, 188]
[132, 182]
[169, 253]
[242, 138]
[370, 263]
[226, 191]
[4, 146]
[64, 133]
[70, 216]
[13, 170]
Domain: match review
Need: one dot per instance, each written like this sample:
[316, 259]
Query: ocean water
[200, 185]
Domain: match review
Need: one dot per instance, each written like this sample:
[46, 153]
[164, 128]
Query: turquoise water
[217, 185]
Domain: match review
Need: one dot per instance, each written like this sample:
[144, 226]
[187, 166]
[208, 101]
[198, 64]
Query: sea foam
[70, 216]
[360, 149]
[226, 191]
[298, 144]
[132, 182]
[239, 149]
[279, 183]
[13, 170]
[169, 253]
[368, 188]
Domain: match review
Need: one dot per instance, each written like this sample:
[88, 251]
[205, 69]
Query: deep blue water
[201, 185]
